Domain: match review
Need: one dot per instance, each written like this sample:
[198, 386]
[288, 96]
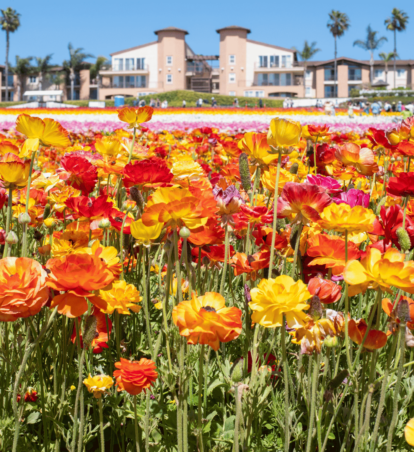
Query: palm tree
[10, 22]
[22, 69]
[397, 22]
[387, 57]
[76, 58]
[305, 55]
[338, 24]
[56, 79]
[371, 44]
[95, 68]
[42, 67]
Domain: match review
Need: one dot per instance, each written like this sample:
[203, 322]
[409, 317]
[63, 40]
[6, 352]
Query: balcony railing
[126, 68]
[274, 66]
[355, 77]
[151, 85]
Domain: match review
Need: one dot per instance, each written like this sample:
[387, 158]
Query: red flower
[327, 291]
[86, 207]
[403, 185]
[150, 173]
[79, 173]
[378, 138]
[376, 339]
[135, 377]
[116, 217]
[255, 215]
[214, 254]
[30, 396]
[318, 130]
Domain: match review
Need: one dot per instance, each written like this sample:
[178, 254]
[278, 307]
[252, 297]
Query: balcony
[122, 69]
[273, 67]
[129, 85]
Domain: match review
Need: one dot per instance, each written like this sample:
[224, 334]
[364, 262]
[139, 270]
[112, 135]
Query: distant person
[367, 108]
[387, 107]
[236, 103]
[158, 103]
[260, 103]
[142, 103]
[328, 108]
[213, 102]
[399, 107]
[285, 103]
[375, 109]
[350, 110]
[184, 104]
[393, 107]
[152, 103]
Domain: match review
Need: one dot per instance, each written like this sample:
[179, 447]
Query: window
[232, 93]
[262, 61]
[329, 74]
[232, 78]
[274, 61]
[400, 72]
[354, 73]
[378, 73]
[32, 79]
[308, 91]
[129, 64]
[285, 79]
[232, 59]
[118, 81]
[118, 64]
[330, 91]
[169, 78]
[141, 81]
[308, 75]
[140, 63]
[254, 93]
[169, 60]
[286, 60]
[129, 81]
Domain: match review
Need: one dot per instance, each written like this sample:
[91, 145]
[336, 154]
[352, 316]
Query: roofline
[171, 29]
[272, 46]
[362, 62]
[233, 27]
[133, 48]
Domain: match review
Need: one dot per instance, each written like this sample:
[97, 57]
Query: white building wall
[150, 53]
[254, 51]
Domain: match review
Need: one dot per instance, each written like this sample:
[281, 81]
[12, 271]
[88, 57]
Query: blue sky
[102, 27]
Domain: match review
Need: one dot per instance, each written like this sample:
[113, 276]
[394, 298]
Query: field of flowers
[206, 280]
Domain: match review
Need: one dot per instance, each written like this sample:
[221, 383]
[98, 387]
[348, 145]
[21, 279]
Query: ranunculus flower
[328, 184]
[135, 116]
[135, 376]
[23, 290]
[206, 320]
[78, 172]
[256, 147]
[327, 291]
[283, 133]
[353, 198]
[376, 339]
[149, 173]
[342, 217]
[362, 159]
[14, 172]
[273, 298]
[121, 297]
[98, 384]
[403, 185]
[91, 208]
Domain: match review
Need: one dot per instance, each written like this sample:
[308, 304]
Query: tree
[56, 79]
[95, 69]
[42, 67]
[74, 64]
[22, 69]
[10, 22]
[387, 57]
[305, 55]
[338, 24]
[371, 44]
[397, 22]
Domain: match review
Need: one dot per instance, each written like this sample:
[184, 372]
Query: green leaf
[331, 436]
[33, 418]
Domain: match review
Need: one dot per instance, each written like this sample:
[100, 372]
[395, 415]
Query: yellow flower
[98, 384]
[283, 133]
[255, 145]
[108, 146]
[341, 218]
[187, 170]
[380, 273]
[273, 298]
[72, 388]
[58, 196]
[268, 178]
[14, 171]
[47, 132]
[70, 242]
[409, 432]
[312, 335]
[49, 222]
[122, 297]
[144, 234]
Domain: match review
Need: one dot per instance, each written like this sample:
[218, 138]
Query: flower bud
[244, 172]
[294, 168]
[403, 310]
[184, 233]
[237, 372]
[104, 223]
[315, 309]
[89, 331]
[11, 238]
[403, 239]
[24, 218]
[331, 341]
[46, 212]
[137, 197]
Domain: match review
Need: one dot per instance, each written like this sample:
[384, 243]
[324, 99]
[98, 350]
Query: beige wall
[320, 82]
[171, 43]
[233, 42]
[84, 76]
[365, 76]
[342, 80]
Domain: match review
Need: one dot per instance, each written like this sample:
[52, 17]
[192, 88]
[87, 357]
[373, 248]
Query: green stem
[136, 425]
[276, 197]
[132, 146]
[312, 402]
[101, 428]
[146, 309]
[29, 182]
[226, 256]
[286, 381]
[237, 421]
[147, 416]
[9, 216]
[199, 411]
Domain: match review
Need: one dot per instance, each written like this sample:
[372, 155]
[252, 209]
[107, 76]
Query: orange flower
[363, 160]
[255, 145]
[49, 132]
[175, 207]
[135, 116]
[23, 290]
[375, 339]
[206, 320]
[135, 377]
[327, 291]
[78, 275]
[329, 250]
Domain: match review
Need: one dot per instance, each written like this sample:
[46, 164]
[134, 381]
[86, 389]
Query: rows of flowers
[206, 290]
